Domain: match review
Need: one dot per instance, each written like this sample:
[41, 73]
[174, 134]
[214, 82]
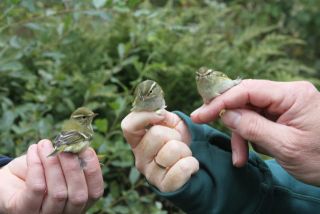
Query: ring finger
[151, 144]
[171, 152]
[168, 156]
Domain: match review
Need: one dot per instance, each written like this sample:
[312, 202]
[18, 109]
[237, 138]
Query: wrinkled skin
[281, 119]
[161, 152]
[34, 183]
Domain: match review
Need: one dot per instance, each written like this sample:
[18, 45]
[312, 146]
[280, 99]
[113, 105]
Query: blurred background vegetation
[59, 55]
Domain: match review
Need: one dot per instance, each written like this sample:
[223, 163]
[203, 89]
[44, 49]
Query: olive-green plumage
[76, 132]
[211, 84]
[148, 96]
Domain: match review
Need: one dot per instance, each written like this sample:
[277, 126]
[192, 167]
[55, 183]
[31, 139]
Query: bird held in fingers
[211, 83]
[148, 96]
[76, 132]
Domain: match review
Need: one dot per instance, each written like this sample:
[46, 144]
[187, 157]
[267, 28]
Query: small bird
[76, 132]
[211, 84]
[148, 96]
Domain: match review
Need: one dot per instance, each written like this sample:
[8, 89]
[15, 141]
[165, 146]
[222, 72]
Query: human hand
[280, 119]
[161, 153]
[34, 183]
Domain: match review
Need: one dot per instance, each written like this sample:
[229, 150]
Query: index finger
[134, 125]
[259, 93]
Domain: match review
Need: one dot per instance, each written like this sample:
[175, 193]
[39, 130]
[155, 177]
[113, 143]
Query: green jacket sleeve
[218, 187]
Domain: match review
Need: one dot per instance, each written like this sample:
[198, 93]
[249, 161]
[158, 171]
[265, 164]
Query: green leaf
[121, 50]
[134, 175]
[101, 124]
[133, 3]
[34, 26]
[6, 121]
[98, 3]
[11, 66]
[29, 4]
[14, 42]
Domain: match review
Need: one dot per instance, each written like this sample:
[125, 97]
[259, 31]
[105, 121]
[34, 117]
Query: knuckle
[92, 171]
[125, 125]
[252, 128]
[291, 147]
[53, 161]
[184, 165]
[195, 164]
[79, 198]
[59, 195]
[306, 84]
[148, 174]
[72, 166]
[38, 188]
[172, 184]
[165, 186]
[156, 131]
[152, 177]
[289, 152]
[139, 165]
[97, 194]
[181, 174]
[307, 87]
[173, 146]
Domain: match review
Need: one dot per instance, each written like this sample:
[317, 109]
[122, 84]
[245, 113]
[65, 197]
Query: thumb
[256, 128]
[134, 125]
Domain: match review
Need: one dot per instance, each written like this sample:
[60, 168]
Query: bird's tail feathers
[55, 151]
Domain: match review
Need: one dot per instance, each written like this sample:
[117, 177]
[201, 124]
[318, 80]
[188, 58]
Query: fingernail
[235, 158]
[160, 112]
[231, 118]
[88, 154]
[46, 146]
[32, 151]
[195, 112]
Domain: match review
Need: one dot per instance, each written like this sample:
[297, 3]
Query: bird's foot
[83, 163]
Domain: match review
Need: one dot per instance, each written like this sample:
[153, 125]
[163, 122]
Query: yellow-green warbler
[211, 84]
[76, 132]
[148, 96]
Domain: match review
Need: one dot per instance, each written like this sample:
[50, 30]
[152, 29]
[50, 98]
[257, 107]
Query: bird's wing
[222, 75]
[70, 137]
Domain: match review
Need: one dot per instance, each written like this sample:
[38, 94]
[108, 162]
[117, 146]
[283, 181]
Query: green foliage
[58, 55]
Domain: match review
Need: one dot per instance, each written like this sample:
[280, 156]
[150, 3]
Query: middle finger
[76, 183]
[151, 144]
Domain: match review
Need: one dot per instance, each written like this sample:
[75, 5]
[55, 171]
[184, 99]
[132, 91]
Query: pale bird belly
[78, 148]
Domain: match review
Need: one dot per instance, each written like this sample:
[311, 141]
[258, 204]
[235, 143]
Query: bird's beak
[95, 114]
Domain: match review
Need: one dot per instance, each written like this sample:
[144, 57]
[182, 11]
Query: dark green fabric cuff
[218, 187]
[204, 133]
[188, 198]
[259, 187]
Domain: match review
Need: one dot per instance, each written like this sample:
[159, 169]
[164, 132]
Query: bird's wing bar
[70, 137]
